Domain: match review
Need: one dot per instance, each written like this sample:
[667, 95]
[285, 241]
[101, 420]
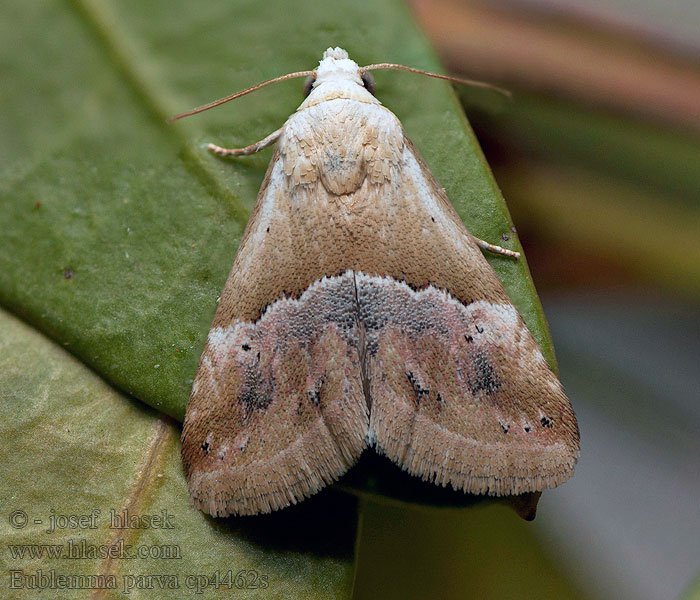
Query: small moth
[360, 312]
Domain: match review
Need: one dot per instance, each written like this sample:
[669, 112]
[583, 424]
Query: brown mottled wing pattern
[460, 392]
[277, 409]
[359, 310]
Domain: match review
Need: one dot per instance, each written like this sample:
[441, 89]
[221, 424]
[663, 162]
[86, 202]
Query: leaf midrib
[122, 53]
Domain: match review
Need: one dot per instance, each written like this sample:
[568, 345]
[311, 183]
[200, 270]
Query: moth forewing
[360, 312]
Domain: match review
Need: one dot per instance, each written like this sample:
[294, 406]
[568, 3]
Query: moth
[360, 312]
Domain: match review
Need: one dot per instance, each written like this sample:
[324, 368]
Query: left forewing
[277, 408]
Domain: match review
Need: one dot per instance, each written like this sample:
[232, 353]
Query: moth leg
[496, 249]
[252, 149]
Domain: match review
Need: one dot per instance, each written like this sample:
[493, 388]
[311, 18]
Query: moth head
[336, 68]
[367, 82]
[339, 76]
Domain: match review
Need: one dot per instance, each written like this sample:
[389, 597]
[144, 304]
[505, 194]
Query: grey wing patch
[277, 409]
[462, 395]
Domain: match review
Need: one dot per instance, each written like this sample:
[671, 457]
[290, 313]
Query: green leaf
[74, 446]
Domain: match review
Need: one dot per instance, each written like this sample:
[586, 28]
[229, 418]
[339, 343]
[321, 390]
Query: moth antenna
[220, 101]
[471, 82]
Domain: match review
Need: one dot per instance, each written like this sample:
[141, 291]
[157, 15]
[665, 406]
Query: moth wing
[460, 392]
[277, 408]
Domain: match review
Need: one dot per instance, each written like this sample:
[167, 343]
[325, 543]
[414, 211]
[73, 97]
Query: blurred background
[598, 156]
